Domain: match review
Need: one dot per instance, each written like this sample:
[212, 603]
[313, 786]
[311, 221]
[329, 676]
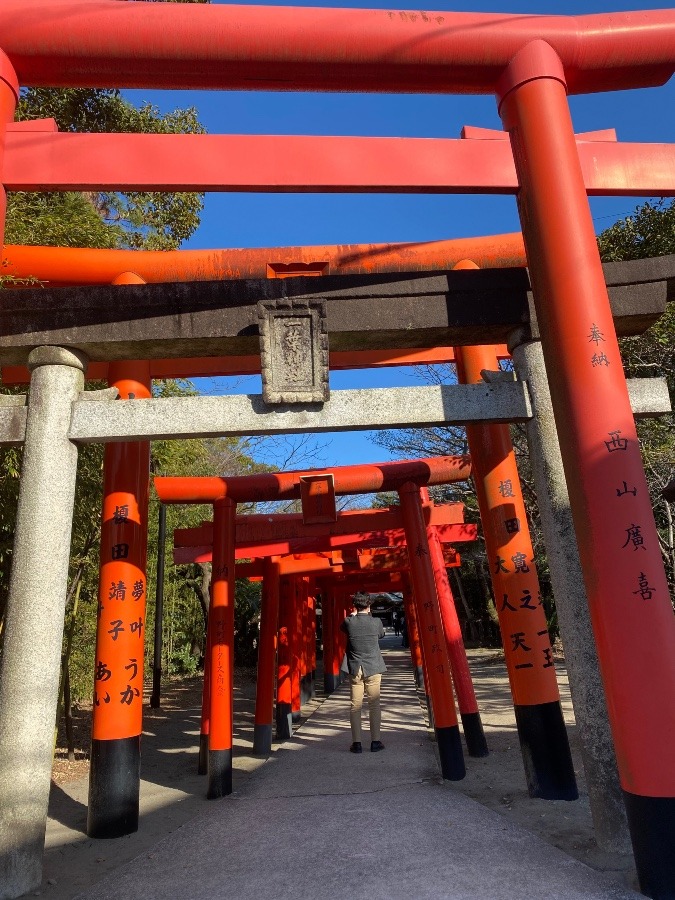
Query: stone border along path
[315, 819]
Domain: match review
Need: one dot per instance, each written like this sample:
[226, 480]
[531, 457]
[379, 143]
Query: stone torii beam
[156, 321]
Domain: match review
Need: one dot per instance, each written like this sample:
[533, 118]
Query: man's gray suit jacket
[363, 632]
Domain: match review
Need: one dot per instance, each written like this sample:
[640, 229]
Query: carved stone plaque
[293, 351]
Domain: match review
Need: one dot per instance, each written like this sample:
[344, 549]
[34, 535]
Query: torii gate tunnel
[529, 64]
[406, 478]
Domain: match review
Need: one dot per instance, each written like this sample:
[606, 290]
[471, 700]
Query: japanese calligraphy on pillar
[631, 532]
[118, 672]
[522, 619]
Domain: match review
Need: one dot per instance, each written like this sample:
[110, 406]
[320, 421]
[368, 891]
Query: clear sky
[261, 220]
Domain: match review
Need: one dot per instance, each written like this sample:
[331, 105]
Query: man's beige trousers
[371, 684]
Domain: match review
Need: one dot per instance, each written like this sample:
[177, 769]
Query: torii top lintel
[105, 43]
[362, 479]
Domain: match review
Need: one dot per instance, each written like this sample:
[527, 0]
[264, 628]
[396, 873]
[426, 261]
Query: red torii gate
[383, 528]
[529, 62]
[224, 493]
[260, 535]
[401, 477]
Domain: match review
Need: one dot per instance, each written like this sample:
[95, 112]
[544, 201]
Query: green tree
[109, 219]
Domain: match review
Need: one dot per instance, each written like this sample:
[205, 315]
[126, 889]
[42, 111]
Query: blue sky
[259, 220]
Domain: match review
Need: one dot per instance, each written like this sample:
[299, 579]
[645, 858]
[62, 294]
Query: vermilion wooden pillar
[203, 760]
[461, 675]
[311, 638]
[284, 660]
[305, 674]
[625, 582]
[9, 96]
[527, 646]
[297, 648]
[340, 638]
[221, 626]
[267, 651]
[424, 681]
[331, 666]
[413, 633]
[222, 650]
[114, 777]
[435, 651]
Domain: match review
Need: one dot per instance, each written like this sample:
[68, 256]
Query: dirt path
[172, 792]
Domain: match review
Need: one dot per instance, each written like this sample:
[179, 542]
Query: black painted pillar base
[330, 683]
[474, 735]
[312, 684]
[419, 677]
[220, 774]
[296, 715]
[304, 690]
[449, 743]
[546, 752]
[651, 821]
[284, 721]
[114, 787]
[262, 739]
[203, 762]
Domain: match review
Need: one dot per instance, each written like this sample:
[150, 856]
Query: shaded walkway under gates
[315, 820]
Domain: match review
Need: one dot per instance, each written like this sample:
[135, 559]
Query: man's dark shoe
[375, 746]
[356, 747]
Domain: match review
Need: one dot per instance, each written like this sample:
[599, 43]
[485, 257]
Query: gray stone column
[588, 698]
[29, 677]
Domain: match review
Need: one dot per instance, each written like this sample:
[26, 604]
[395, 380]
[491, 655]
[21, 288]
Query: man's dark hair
[361, 601]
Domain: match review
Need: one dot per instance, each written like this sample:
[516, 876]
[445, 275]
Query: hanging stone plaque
[293, 351]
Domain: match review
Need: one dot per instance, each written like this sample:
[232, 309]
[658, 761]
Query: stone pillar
[31, 661]
[590, 709]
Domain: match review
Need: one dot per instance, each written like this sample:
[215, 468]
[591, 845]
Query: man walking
[365, 664]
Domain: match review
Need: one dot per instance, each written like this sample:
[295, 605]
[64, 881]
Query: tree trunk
[470, 622]
[203, 592]
[68, 715]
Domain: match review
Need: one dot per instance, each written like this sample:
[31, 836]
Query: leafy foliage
[136, 220]
[648, 232]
